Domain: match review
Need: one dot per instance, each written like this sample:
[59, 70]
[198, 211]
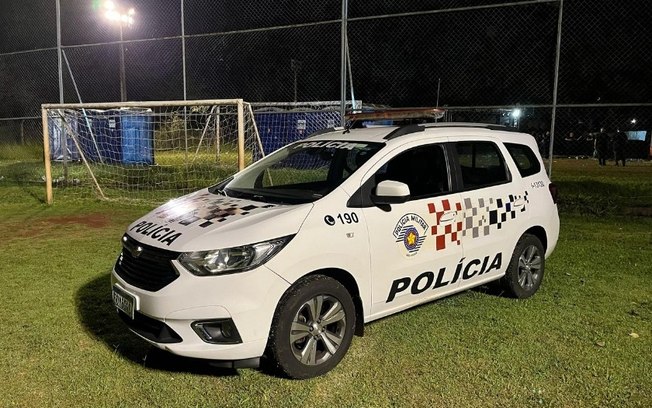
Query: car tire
[525, 271]
[312, 328]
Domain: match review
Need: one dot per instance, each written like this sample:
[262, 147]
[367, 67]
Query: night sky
[498, 56]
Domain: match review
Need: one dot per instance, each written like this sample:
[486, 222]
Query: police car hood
[204, 221]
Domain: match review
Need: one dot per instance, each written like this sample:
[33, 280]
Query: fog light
[221, 331]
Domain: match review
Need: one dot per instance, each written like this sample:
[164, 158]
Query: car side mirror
[390, 192]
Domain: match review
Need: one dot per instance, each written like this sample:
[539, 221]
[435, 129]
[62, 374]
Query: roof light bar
[397, 114]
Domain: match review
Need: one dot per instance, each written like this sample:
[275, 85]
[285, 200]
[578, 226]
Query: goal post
[148, 151]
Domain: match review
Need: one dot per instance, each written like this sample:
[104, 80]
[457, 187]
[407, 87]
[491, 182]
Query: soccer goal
[145, 150]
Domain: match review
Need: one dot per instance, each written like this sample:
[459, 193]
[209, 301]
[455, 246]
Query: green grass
[174, 174]
[570, 345]
[30, 151]
[586, 188]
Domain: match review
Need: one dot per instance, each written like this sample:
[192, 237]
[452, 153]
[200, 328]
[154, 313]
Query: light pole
[116, 14]
[296, 67]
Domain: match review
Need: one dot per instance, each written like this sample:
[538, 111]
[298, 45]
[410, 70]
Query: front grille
[150, 269]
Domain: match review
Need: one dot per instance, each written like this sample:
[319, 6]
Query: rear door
[494, 205]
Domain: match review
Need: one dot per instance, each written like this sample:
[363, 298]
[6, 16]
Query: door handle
[447, 217]
[519, 203]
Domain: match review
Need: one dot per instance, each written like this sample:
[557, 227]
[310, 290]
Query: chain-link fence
[484, 60]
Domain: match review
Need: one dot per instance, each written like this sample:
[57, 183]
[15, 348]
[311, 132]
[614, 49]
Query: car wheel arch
[539, 232]
[348, 281]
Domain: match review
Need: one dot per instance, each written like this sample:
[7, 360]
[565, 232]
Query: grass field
[583, 341]
[174, 173]
[587, 188]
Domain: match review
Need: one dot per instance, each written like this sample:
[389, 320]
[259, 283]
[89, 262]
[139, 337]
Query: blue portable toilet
[278, 128]
[110, 138]
[137, 136]
[309, 122]
[62, 145]
[271, 128]
[91, 128]
[117, 136]
[100, 135]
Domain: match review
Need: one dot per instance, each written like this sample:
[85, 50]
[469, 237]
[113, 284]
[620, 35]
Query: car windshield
[299, 173]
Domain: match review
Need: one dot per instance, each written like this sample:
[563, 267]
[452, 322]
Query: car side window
[422, 168]
[481, 164]
[525, 159]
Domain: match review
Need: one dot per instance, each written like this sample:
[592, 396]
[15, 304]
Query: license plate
[124, 301]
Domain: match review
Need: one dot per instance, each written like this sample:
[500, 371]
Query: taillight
[554, 192]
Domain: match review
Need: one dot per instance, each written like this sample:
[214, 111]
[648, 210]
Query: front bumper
[164, 317]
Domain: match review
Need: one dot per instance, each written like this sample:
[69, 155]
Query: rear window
[525, 159]
[482, 164]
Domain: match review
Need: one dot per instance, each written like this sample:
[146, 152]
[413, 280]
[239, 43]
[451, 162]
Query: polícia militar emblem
[410, 232]
[411, 238]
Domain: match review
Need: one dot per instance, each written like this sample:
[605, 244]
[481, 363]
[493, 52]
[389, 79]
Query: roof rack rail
[404, 130]
[414, 128]
[490, 126]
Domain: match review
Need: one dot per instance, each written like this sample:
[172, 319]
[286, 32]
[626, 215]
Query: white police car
[290, 257]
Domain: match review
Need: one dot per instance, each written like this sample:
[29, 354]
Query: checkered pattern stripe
[214, 210]
[449, 232]
[478, 217]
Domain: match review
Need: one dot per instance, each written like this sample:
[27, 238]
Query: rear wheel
[312, 327]
[525, 271]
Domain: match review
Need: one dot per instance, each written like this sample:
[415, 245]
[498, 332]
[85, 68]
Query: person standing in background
[619, 142]
[601, 146]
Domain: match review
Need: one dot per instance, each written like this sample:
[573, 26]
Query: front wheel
[312, 327]
[525, 271]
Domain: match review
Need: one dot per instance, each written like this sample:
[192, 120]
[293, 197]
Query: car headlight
[231, 260]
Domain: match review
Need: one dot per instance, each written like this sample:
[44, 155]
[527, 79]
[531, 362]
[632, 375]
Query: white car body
[390, 257]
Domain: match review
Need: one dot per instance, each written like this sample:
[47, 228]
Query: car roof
[383, 134]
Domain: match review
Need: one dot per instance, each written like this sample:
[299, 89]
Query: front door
[415, 248]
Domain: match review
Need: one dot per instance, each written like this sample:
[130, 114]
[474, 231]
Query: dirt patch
[48, 225]
[88, 220]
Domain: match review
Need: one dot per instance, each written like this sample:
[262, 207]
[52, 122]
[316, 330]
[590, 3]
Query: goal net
[145, 150]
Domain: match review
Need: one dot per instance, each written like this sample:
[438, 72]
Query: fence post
[59, 49]
[555, 88]
[183, 49]
[46, 157]
[345, 12]
[241, 135]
